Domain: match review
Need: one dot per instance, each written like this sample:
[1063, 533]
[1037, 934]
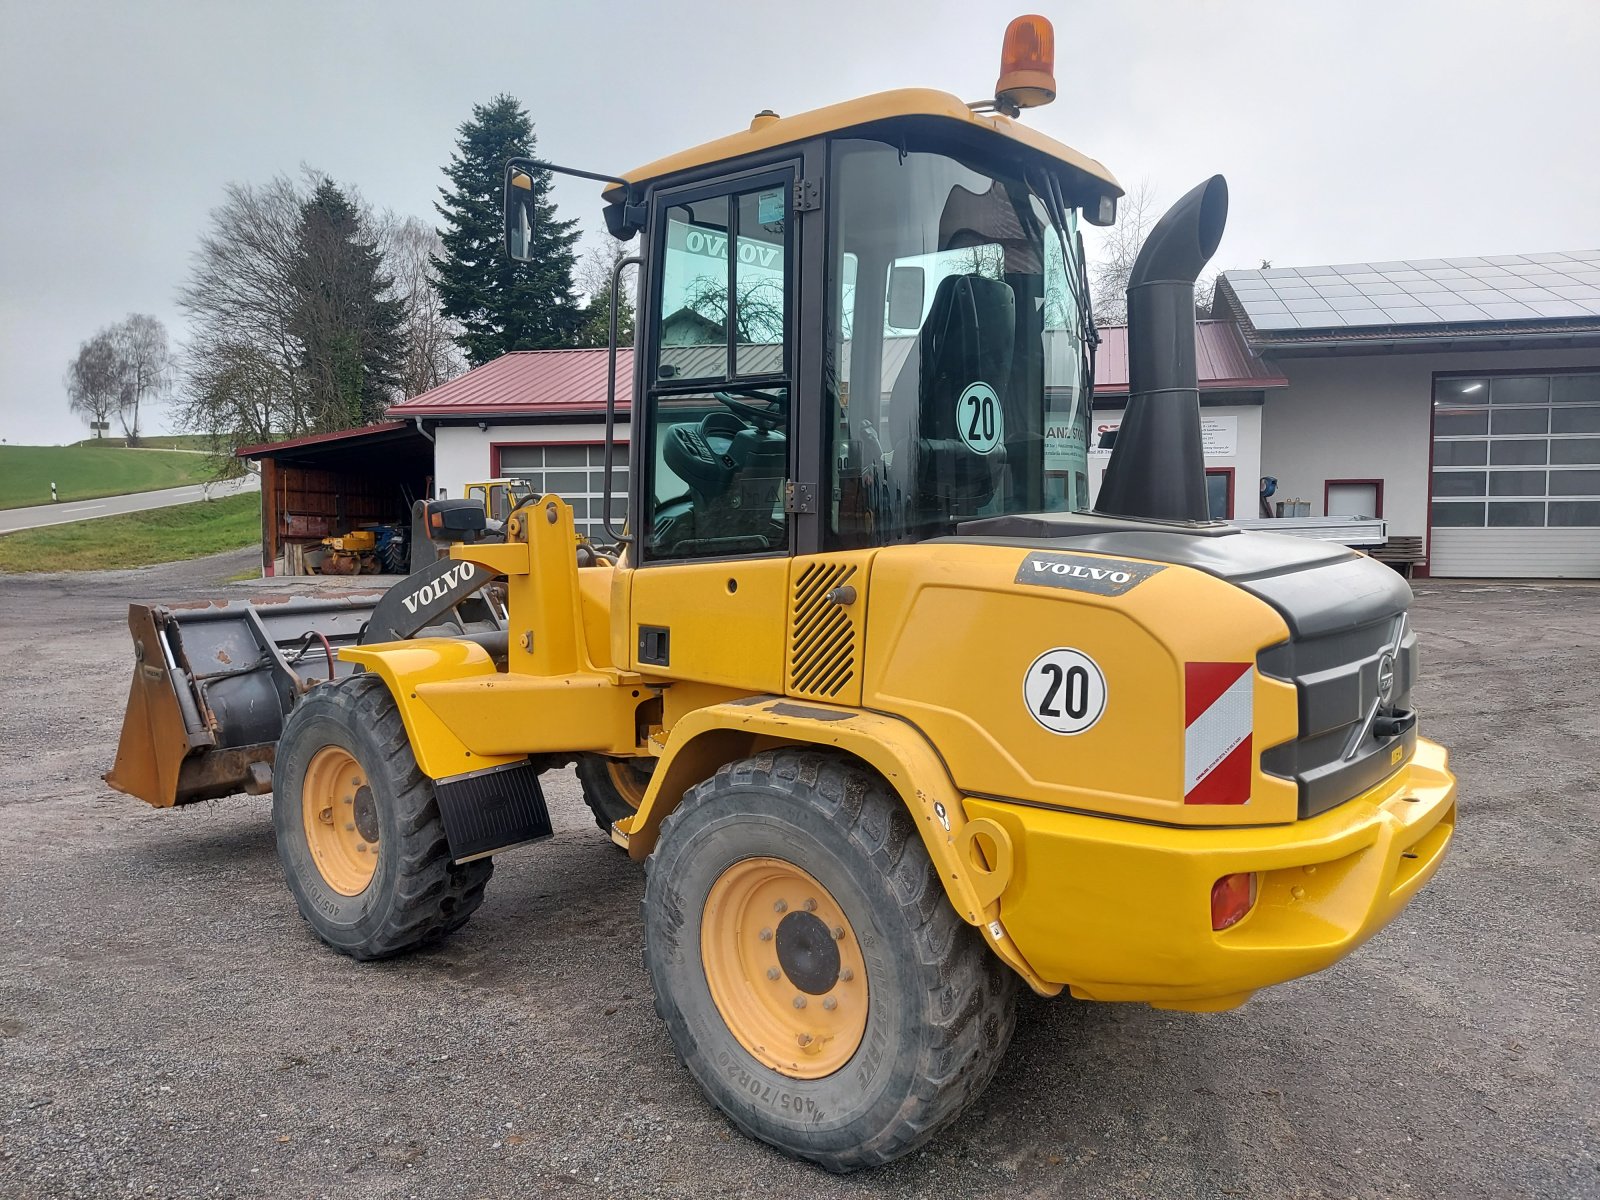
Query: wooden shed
[330, 484]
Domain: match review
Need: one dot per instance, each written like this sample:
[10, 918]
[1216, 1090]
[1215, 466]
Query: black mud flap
[493, 810]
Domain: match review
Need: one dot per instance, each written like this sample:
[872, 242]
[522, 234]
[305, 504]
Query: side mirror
[519, 212]
[906, 287]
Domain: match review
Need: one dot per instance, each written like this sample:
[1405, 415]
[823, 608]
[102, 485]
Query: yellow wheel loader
[895, 718]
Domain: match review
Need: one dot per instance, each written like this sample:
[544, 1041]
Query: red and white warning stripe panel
[1218, 700]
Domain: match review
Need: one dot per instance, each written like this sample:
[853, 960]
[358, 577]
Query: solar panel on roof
[1505, 287]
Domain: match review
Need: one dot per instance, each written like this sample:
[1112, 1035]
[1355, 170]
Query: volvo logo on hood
[1103, 576]
[1386, 678]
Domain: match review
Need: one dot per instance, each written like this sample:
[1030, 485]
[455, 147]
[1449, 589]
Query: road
[170, 1027]
[40, 515]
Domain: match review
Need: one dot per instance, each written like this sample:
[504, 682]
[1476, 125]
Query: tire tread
[432, 895]
[973, 1007]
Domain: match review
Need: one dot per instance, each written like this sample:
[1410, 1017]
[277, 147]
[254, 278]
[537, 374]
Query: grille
[823, 643]
[1347, 740]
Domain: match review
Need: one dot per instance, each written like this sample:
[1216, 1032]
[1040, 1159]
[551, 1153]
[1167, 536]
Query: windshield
[959, 345]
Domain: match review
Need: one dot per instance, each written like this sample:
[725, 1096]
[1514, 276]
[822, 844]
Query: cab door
[714, 433]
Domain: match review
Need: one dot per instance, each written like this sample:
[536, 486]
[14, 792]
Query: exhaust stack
[1157, 467]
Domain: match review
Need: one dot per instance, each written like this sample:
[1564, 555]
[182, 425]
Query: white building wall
[461, 452]
[1245, 461]
[1370, 417]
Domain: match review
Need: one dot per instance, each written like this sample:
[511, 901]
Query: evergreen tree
[502, 305]
[347, 324]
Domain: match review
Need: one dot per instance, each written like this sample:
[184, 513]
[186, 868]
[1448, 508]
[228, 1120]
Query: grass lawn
[156, 441]
[136, 539]
[85, 472]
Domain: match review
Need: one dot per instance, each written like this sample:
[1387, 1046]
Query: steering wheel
[765, 419]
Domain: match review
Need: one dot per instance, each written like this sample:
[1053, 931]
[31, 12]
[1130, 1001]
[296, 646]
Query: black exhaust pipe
[1157, 466]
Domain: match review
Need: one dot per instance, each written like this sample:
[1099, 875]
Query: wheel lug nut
[349, 827]
[810, 906]
[349, 799]
[804, 1039]
[799, 1001]
[781, 906]
[847, 975]
[772, 972]
[830, 1004]
[838, 933]
[361, 848]
[766, 935]
[326, 816]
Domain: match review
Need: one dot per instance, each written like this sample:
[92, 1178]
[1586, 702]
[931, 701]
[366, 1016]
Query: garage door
[576, 473]
[1516, 476]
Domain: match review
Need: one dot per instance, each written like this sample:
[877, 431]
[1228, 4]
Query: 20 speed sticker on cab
[1065, 690]
[979, 419]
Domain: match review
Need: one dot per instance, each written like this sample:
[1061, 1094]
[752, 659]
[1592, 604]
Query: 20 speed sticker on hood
[1065, 690]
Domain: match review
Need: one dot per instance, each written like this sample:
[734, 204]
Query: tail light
[1232, 897]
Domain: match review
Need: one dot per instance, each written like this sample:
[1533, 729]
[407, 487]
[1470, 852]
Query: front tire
[813, 977]
[359, 833]
[613, 788]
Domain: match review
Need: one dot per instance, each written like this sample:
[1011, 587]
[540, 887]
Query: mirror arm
[537, 164]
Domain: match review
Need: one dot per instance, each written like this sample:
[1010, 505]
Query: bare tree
[147, 363]
[94, 381]
[1116, 249]
[758, 311]
[240, 300]
[430, 355]
[235, 395]
[270, 317]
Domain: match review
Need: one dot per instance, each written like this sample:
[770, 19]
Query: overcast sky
[1349, 131]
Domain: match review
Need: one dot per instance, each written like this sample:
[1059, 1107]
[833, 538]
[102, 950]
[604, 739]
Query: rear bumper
[1118, 910]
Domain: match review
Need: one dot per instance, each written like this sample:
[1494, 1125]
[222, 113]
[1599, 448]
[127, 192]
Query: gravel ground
[169, 1026]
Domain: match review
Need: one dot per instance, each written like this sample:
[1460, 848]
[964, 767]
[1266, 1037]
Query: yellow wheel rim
[340, 815]
[784, 967]
[628, 780]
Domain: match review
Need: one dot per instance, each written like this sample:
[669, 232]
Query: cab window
[958, 356]
[720, 379]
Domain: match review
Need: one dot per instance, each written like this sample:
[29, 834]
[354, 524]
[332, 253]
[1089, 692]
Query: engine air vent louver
[823, 642]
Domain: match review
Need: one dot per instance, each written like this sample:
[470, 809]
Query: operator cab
[857, 327]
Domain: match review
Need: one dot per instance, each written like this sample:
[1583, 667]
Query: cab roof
[768, 132]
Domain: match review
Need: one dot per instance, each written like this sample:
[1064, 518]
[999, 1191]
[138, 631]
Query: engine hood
[1317, 587]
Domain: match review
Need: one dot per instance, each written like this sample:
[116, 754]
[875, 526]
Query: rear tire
[368, 865]
[396, 557]
[789, 1069]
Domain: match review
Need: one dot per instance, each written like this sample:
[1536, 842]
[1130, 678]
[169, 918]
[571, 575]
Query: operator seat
[735, 471]
[967, 338]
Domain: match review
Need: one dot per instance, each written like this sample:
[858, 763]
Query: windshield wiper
[1077, 280]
